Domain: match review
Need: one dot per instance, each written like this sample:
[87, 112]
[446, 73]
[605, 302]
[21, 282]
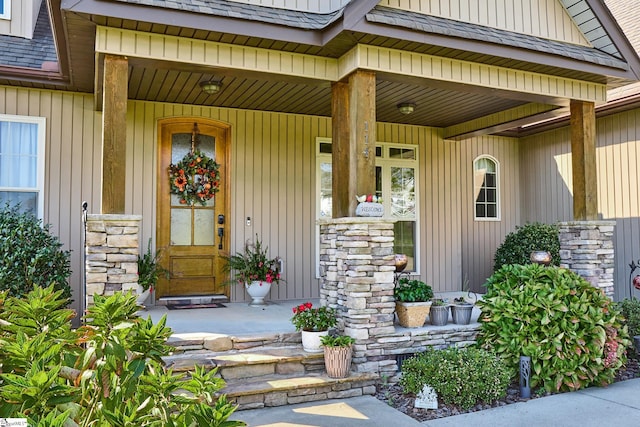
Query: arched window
[485, 187]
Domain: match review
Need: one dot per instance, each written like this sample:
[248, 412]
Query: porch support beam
[114, 133]
[353, 110]
[390, 63]
[503, 120]
[583, 160]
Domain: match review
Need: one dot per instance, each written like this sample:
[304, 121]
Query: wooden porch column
[353, 111]
[583, 160]
[114, 132]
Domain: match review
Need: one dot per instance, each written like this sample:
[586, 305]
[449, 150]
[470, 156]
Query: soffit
[436, 106]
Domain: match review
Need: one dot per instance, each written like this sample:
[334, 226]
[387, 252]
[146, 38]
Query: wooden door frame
[225, 175]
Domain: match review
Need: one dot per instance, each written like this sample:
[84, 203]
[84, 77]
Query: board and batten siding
[481, 238]
[547, 187]
[73, 162]
[541, 18]
[439, 210]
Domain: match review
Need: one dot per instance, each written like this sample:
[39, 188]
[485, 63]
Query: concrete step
[280, 390]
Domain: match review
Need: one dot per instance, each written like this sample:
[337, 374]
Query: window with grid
[22, 162]
[485, 186]
[396, 179]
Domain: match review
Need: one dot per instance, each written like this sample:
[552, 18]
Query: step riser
[293, 396]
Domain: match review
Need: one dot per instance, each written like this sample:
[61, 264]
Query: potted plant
[413, 301]
[255, 270]
[313, 323]
[148, 273]
[461, 311]
[439, 313]
[338, 350]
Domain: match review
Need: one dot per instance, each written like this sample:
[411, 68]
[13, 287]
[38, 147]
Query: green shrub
[29, 255]
[518, 245]
[460, 376]
[107, 373]
[412, 290]
[631, 312]
[570, 329]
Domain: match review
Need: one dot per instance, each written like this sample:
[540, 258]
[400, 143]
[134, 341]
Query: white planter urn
[142, 295]
[257, 290]
[311, 341]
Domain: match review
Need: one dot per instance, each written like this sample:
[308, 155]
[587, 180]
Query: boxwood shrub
[570, 329]
[29, 255]
[631, 311]
[518, 245]
[461, 376]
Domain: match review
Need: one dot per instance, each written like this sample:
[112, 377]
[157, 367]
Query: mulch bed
[393, 396]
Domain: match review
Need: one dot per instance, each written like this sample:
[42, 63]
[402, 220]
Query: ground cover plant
[29, 255]
[518, 245]
[460, 376]
[570, 329]
[106, 373]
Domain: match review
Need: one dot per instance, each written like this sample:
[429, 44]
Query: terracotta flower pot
[337, 361]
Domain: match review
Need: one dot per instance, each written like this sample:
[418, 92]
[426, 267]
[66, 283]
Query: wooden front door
[192, 237]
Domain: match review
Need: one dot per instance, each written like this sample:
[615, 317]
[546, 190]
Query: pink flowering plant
[254, 265]
[307, 318]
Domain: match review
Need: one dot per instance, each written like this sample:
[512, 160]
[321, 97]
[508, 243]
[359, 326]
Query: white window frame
[7, 9]
[498, 188]
[41, 122]
[386, 163]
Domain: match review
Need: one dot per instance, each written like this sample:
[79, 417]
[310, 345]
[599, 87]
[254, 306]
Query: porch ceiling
[439, 107]
[436, 104]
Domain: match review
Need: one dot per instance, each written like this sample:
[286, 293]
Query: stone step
[280, 390]
[249, 363]
[191, 342]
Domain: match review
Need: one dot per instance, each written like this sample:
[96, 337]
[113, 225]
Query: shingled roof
[231, 9]
[30, 53]
[437, 25]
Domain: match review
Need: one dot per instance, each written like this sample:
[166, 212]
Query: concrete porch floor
[239, 318]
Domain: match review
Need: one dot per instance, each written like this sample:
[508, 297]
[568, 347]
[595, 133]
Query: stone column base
[586, 248]
[112, 247]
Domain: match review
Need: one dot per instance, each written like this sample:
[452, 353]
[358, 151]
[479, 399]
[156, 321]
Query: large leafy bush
[107, 373]
[29, 255]
[460, 376]
[518, 245]
[570, 329]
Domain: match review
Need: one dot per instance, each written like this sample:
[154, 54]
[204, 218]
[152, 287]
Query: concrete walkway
[617, 405]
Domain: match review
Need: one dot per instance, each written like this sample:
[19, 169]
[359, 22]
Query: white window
[5, 9]
[22, 162]
[486, 190]
[396, 183]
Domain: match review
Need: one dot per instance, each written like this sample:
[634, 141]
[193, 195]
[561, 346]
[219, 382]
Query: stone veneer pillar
[586, 248]
[112, 248]
[357, 265]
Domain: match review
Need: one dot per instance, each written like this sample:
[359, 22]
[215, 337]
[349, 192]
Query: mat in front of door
[194, 306]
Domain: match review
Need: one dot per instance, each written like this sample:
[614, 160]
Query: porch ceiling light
[210, 87]
[406, 107]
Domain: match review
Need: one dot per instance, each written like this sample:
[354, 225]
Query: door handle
[220, 235]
